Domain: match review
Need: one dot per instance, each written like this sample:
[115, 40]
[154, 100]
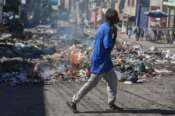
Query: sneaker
[115, 107]
[73, 106]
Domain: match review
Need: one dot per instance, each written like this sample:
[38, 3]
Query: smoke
[70, 19]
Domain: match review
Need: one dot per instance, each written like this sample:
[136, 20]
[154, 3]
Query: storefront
[169, 7]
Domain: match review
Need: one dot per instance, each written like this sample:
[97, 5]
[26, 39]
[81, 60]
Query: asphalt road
[155, 97]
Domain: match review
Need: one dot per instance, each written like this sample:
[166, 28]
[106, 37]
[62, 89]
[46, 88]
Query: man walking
[101, 62]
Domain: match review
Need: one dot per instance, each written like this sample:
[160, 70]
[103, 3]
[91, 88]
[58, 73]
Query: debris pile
[48, 55]
[134, 63]
[24, 50]
[16, 71]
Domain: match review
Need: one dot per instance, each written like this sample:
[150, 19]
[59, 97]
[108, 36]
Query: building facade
[130, 8]
[141, 7]
[169, 7]
[127, 9]
[119, 6]
[156, 5]
[65, 4]
[35, 11]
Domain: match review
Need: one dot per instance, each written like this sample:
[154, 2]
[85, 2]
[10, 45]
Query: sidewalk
[147, 44]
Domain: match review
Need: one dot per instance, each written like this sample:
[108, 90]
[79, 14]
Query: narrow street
[50, 48]
[153, 98]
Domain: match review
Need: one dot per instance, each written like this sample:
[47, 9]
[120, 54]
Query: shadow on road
[146, 99]
[136, 111]
[26, 100]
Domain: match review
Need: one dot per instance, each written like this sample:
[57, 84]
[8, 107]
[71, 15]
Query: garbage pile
[48, 52]
[70, 64]
[135, 64]
[18, 61]
[48, 56]
[23, 63]
[15, 71]
[42, 30]
[24, 50]
[132, 63]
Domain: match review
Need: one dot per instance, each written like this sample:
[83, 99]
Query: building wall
[155, 5]
[97, 9]
[130, 7]
[120, 7]
[169, 7]
[117, 3]
[141, 7]
[170, 21]
[67, 4]
[117, 6]
[12, 6]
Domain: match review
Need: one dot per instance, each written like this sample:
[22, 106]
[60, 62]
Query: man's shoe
[72, 106]
[115, 107]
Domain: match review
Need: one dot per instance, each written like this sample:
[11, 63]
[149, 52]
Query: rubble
[135, 63]
[132, 64]
[44, 71]
[5, 36]
[51, 55]
[15, 71]
[161, 71]
[24, 50]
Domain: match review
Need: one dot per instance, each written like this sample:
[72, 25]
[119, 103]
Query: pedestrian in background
[129, 32]
[142, 33]
[101, 62]
[137, 33]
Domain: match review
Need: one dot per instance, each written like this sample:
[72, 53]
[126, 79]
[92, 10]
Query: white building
[155, 5]
[130, 8]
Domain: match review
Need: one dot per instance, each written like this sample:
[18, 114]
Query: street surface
[45, 56]
[153, 98]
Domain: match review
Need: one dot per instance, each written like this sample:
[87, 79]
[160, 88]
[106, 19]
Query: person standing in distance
[101, 62]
